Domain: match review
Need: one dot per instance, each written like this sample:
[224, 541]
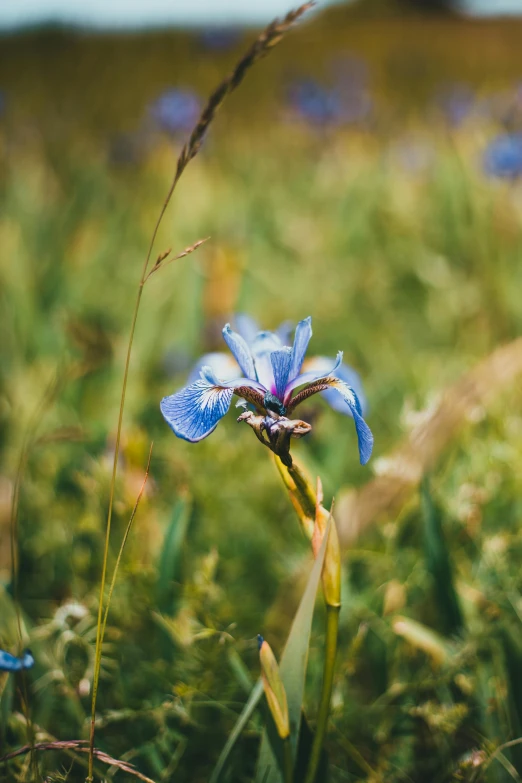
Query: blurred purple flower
[347, 100]
[456, 102]
[314, 103]
[219, 39]
[503, 156]
[176, 110]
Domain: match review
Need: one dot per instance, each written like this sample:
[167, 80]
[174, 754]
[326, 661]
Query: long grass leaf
[293, 668]
[246, 714]
[439, 565]
[169, 571]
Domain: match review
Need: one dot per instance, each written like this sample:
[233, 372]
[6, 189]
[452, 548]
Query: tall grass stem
[332, 631]
[261, 46]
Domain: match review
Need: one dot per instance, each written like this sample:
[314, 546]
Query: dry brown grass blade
[79, 746]
[261, 46]
[386, 493]
[270, 36]
[161, 262]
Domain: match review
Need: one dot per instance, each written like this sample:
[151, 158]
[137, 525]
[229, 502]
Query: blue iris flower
[176, 110]
[503, 156]
[10, 663]
[270, 375]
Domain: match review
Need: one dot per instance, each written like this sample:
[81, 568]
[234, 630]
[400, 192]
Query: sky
[137, 13]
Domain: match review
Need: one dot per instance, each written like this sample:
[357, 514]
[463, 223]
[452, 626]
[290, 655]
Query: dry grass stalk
[261, 47]
[78, 746]
[386, 493]
[263, 44]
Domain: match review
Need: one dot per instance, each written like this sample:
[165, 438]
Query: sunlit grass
[413, 270]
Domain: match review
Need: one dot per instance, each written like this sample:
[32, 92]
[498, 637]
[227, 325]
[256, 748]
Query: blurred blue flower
[264, 372]
[503, 156]
[456, 102]
[314, 103]
[10, 663]
[347, 100]
[219, 39]
[176, 110]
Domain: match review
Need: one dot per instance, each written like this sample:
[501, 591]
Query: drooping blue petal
[194, 412]
[322, 365]
[27, 660]
[10, 663]
[303, 333]
[246, 326]
[281, 362]
[313, 375]
[364, 434]
[265, 342]
[224, 366]
[241, 351]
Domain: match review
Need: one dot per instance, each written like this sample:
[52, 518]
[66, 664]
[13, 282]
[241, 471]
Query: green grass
[416, 276]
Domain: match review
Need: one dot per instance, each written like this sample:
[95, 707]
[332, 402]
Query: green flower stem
[332, 627]
[306, 493]
[288, 761]
[312, 515]
[100, 625]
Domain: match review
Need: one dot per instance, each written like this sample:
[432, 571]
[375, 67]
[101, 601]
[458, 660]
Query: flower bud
[332, 562]
[274, 689]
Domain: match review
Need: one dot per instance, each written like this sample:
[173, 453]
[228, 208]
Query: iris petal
[224, 366]
[322, 365]
[194, 412]
[313, 375]
[246, 326]
[207, 374]
[10, 663]
[364, 433]
[265, 342]
[284, 331]
[303, 333]
[281, 362]
[241, 351]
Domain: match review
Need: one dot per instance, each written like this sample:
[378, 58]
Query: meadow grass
[413, 270]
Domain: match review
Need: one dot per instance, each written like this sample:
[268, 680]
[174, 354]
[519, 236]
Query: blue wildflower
[176, 110]
[219, 39]
[267, 374]
[503, 156]
[457, 102]
[10, 663]
[314, 103]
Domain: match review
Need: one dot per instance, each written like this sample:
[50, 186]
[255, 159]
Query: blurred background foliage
[367, 174]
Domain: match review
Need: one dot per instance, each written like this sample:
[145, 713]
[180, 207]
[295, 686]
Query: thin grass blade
[169, 571]
[248, 709]
[293, 669]
[440, 566]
